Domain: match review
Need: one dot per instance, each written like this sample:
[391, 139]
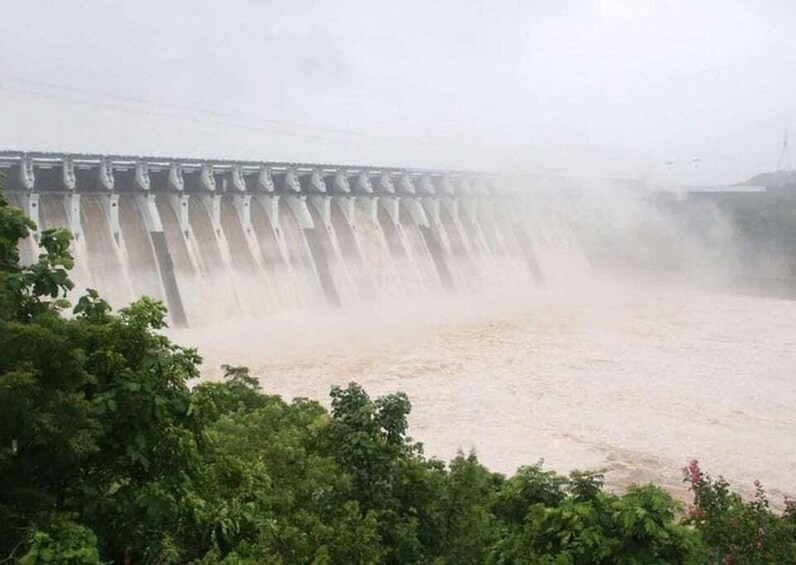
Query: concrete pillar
[242, 203]
[340, 183]
[207, 180]
[212, 203]
[238, 180]
[176, 180]
[346, 205]
[426, 186]
[405, 184]
[265, 181]
[141, 176]
[324, 206]
[416, 211]
[149, 212]
[27, 176]
[112, 202]
[391, 206]
[432, 206]
[292, 182]
[31, 201]
[179, 203]
[270, 204]
[298, 205]
[316, 182]
[362, 184]
[368, 204]
[105, 178]
[68, 176]
[385, 184]
[72, 205]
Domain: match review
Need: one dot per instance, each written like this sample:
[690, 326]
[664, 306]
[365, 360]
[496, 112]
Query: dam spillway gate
[217, 239]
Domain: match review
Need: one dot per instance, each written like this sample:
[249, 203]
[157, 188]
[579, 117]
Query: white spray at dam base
[596, 374]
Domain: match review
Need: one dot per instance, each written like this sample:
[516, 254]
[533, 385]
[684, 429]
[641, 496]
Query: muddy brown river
[633, 380]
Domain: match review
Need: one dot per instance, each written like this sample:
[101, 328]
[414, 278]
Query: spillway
[221, 239]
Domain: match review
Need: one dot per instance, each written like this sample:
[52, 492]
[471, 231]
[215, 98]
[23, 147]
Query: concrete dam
[216, 239]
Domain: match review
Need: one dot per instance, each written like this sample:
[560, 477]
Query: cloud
[608, 86]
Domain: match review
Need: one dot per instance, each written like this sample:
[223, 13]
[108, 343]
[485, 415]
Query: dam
[221, 239]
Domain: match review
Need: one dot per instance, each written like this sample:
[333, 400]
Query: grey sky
[605, 86]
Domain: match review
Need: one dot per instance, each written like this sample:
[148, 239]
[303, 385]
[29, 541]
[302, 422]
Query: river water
[633, 379]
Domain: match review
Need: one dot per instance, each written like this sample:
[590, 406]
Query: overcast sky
[610, 87]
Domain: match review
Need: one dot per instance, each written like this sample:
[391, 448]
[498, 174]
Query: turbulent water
[601, 374]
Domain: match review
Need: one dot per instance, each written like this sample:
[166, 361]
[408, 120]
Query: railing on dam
[219, 238]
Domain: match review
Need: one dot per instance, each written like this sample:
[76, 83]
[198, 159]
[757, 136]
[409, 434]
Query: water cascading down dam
[216, 239]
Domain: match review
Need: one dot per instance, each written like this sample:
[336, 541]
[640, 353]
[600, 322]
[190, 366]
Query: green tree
[94, 415]
[66, 543]
[737, 531]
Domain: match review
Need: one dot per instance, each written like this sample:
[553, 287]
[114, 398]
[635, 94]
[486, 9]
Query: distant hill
[778, 179]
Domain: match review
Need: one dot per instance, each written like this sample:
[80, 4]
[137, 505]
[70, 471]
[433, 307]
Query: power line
[157, 113]
[157, 108]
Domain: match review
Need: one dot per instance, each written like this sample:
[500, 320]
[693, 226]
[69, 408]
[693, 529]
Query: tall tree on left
[95, 426]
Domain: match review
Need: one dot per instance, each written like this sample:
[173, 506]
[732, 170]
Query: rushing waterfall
[107, 262]
[223, 240]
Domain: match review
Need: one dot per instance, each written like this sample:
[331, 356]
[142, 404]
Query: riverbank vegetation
[108, 455]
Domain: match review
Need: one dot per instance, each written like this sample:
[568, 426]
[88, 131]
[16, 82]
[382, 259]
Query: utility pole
[783, 163]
